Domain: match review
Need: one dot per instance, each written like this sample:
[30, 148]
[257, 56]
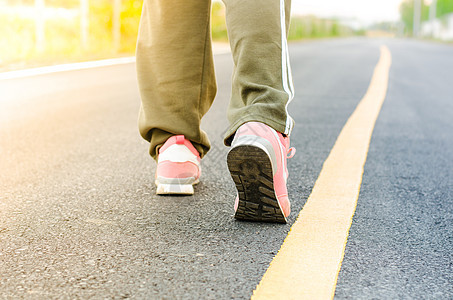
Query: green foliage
[312, 27]
[101, 23]
[58, 47]
[53, 3]
[407, 15]
[444, 7]
[218, 24]
[101, 26]
[15, 47]
[63, 35]
[130, 16]
[300, 28]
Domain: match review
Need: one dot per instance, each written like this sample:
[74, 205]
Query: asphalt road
[79, 217]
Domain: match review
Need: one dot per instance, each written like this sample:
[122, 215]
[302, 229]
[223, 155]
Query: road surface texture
[79, 217]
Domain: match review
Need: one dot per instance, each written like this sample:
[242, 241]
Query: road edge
[218, 49]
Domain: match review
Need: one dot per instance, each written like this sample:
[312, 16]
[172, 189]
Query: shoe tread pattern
[251, 171]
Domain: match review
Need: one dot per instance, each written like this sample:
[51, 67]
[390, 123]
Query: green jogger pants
[176, 76]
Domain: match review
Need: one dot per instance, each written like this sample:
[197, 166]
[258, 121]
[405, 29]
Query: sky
[367, 11]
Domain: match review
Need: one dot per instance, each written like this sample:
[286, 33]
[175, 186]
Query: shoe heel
[174, 189]
[251, 170]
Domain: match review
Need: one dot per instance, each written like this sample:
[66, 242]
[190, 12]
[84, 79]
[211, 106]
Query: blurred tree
[218, 24]
[114, 31]
[84, 23]
[116, 27]
[407, 14]
[444, 7]
[40, 23]
[52, 3]
[130, 17]
[20, 2]
[63, 3]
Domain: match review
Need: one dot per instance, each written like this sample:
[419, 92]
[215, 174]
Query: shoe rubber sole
[168, 186]
[251, 171]
[174, 189]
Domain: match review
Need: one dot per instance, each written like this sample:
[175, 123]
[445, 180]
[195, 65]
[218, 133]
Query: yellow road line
[308, 263]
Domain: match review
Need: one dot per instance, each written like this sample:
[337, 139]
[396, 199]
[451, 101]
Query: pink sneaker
[257, 163]
[178, 167]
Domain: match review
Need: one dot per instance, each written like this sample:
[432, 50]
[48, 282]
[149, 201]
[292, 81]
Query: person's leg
[262, 83]
[260, 123]
[175, 71]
